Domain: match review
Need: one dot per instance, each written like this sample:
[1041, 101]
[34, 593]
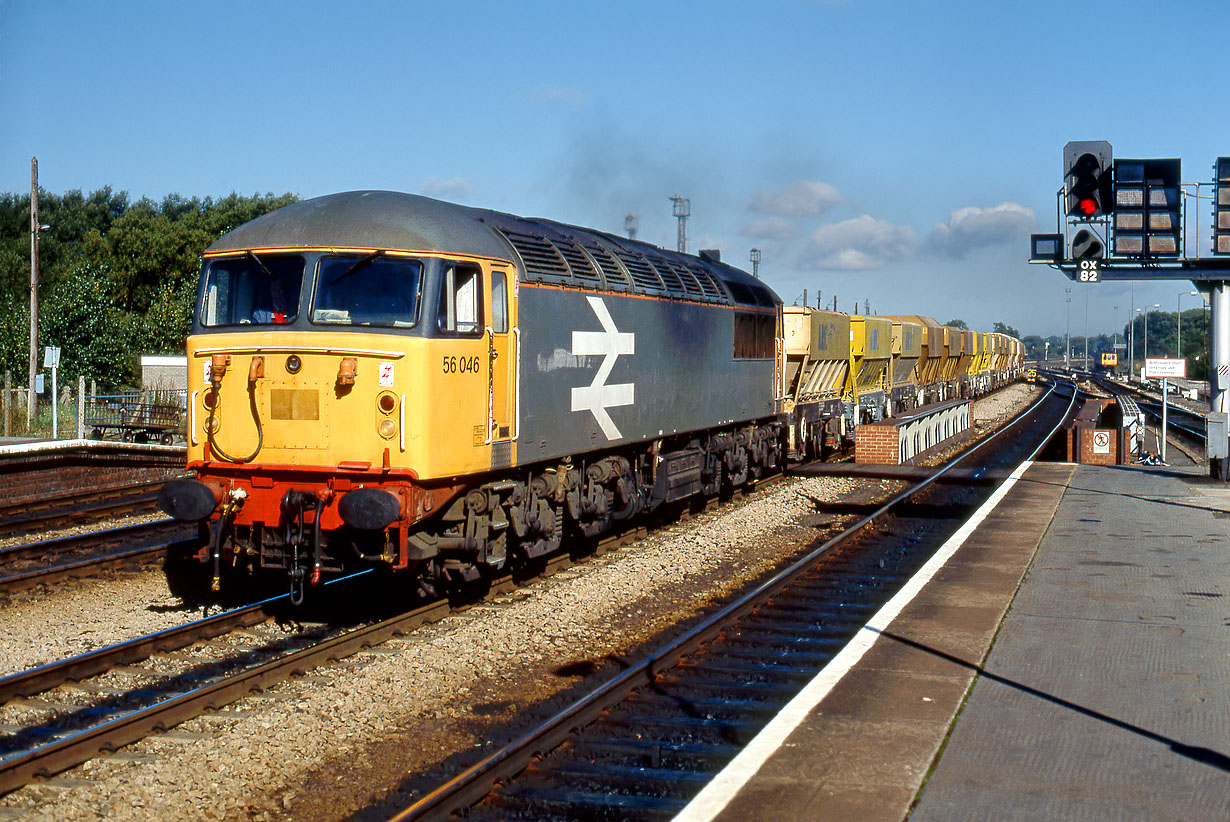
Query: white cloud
[802, 198]
[449, 189]
[774, 228]
[859, 244]
[969, 228]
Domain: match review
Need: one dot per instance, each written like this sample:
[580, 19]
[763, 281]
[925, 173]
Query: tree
[1035, 347]
[93, 335]
[1001, 328]
[117, 279]
[958, 324]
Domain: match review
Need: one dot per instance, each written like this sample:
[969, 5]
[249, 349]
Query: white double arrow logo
[597, 397]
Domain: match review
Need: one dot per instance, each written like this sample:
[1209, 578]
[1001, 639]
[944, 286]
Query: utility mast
[630, 226]
[32, 401]
[683, 210]
[756, 267]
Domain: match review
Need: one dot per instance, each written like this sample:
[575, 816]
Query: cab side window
[499, 303]
[460, 308]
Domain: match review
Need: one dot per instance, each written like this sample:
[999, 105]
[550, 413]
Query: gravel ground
[92, 613]
[327, 745]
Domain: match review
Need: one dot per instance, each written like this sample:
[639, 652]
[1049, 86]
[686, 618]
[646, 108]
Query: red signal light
[1088, 206]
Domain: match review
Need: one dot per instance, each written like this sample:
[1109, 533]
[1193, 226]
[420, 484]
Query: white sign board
[51, 357]
[1166, 369]
[1101, 442]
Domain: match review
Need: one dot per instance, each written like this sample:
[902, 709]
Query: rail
[76, 748]
[477, 781]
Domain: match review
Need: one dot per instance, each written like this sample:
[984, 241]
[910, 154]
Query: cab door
[503, 353]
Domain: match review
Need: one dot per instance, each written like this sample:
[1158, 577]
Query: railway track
[174, 698]
[70, 733]
[644, 741]
[78, 508]
[1189, 425]
[25, 565]
[63, 734]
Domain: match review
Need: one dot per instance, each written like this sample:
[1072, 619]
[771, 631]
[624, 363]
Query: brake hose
[210, 427]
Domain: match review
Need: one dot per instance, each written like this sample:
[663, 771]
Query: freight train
[382, 379]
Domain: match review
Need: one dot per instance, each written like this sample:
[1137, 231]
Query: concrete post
[81, 407]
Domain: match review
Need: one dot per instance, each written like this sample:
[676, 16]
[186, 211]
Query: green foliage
[1035, 347]
[1003, 328]
[958, 324]
[117, 279]
[94, 336]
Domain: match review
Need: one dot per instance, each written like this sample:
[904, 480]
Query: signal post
[1133, 208]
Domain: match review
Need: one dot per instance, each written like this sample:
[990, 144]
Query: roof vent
[711, 254]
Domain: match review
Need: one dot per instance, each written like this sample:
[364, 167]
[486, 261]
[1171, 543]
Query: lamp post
[1178, 343]
[1132, 344]
[1086, 327]
[1155, 305]
[1067, 333]
[1114, 333]
[1132, 332]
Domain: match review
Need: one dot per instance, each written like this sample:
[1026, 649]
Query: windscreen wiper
[359, 264]
[257, 260]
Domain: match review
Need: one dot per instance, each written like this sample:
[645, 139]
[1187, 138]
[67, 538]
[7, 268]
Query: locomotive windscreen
[354, 289]
[252, 289]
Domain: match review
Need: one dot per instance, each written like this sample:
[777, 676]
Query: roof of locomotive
[546, 251]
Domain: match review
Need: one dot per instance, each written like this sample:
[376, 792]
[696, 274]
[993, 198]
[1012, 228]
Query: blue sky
[897, 152]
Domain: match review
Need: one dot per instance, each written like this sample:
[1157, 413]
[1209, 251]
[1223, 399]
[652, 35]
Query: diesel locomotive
[378, 378]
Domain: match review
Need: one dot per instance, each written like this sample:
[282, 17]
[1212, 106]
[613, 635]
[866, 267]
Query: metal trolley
[136, 417]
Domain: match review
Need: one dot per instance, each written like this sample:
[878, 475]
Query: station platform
[1069, 660]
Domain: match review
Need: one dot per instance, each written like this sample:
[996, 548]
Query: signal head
[1086, 245]
[1087, 179]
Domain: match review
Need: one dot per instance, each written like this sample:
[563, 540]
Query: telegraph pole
[32, 401]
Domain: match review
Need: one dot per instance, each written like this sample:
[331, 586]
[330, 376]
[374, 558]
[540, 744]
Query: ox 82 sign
[1088, 271]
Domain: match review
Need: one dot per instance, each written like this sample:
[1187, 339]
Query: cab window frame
[409, 321]
[450, 320]
[289, 269]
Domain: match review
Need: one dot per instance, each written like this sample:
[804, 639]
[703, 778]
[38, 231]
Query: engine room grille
[687, 283]
[581, 267]
[669, 278]
[642, 273]
[541, 258]
[615, 276]
[708, 284]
